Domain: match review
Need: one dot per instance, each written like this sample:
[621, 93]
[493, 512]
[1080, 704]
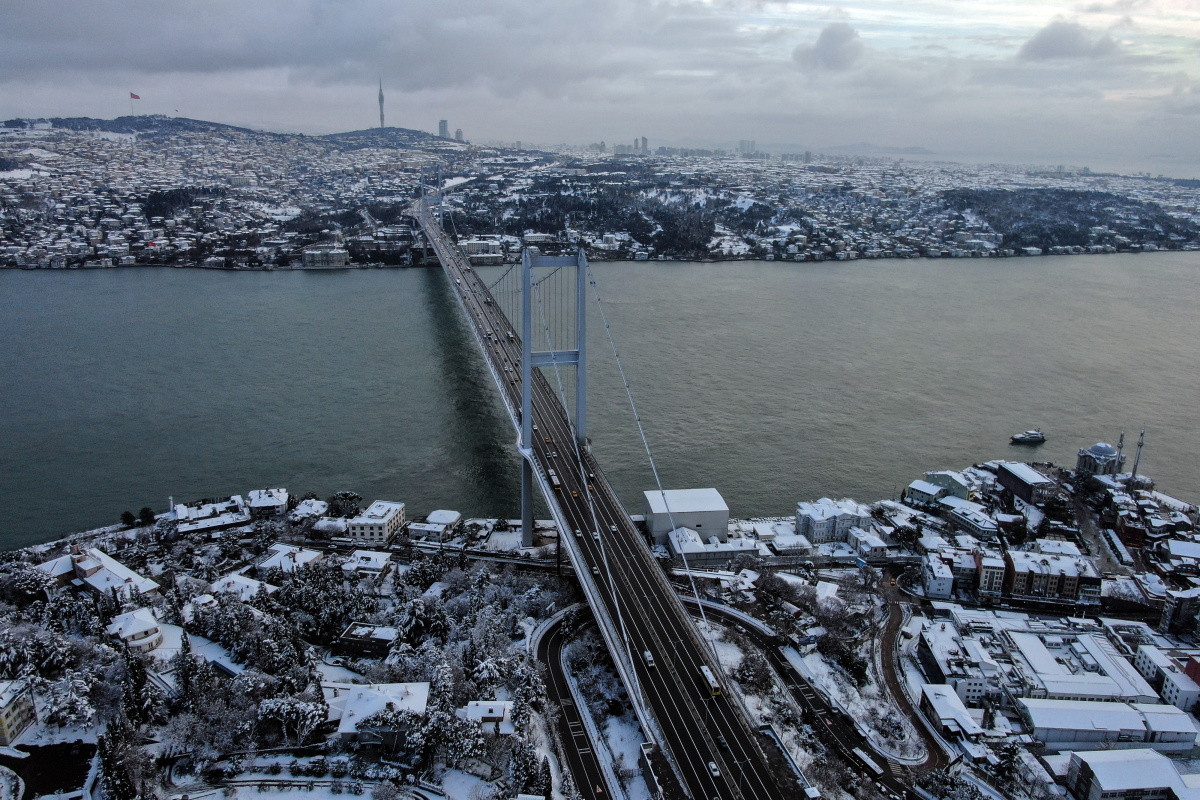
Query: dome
[1102, 449]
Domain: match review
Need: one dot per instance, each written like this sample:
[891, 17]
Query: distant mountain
[384, 137]
[144, 124]
[397, 138]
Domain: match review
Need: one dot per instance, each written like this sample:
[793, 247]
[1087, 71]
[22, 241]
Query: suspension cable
[582, 473]
[646, 444]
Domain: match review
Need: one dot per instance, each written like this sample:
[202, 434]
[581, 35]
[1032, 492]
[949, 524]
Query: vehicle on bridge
[714, 688]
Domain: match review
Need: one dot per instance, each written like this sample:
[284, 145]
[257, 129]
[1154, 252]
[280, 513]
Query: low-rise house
[287, 557]
[368, 564]
[953, 482]
[241, 585]
[495, 716]
[138, 630]
[350, 704]
[267, 503]
[365, 640]
[308, 509]
[867, 544]
[97, 572]
[208, 516]
[924, 493]
[16, 710]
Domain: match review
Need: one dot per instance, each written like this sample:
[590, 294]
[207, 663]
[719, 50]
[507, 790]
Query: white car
[646, 654]
[713, 770]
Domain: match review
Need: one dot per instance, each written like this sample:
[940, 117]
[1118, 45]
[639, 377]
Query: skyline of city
[1113, 86]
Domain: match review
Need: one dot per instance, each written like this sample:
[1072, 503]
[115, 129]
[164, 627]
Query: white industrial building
[696, 551]
[1081, 667]
[1140, 774]
[1089, 725]
[702, 510]
[382, 520]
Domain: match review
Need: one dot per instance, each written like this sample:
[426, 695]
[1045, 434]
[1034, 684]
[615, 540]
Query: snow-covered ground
[624, 739]
[868, 706]
[459, 785]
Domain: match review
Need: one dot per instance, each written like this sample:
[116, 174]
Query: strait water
[772, 382]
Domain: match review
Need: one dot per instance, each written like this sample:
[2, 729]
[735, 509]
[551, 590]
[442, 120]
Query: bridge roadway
[695, 727]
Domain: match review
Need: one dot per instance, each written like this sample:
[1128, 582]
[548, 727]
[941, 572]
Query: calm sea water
[772, 382]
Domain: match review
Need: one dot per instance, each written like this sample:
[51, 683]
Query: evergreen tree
[140, 699]
[115, 748]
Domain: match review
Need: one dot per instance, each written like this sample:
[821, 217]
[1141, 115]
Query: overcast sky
[1103, 83]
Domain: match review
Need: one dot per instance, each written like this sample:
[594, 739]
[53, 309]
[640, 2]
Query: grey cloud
[838, 48]
[1061, 39]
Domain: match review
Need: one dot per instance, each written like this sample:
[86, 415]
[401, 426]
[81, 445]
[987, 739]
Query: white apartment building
[382, 520]
[831, 520]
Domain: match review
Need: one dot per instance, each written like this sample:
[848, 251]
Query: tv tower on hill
[381, 102]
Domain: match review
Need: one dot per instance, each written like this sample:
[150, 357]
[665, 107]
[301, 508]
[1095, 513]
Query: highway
[581, 758]
[708, 740]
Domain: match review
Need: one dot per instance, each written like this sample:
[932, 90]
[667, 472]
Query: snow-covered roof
[378, 511]
[1131, 770]
[1026, 473]
[686, 501]
[309, 508]
[494, 715]
[242, 586]
[350, 703]
[367, 560]
[925, 487]
[268, 498]
[950, 709]
[131, 623]
[100, 572]
[287, 558]
[443, 517]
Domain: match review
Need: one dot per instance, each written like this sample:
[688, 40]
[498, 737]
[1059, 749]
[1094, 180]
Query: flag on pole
[133, 96]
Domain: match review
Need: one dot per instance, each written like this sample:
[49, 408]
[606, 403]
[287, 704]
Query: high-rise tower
[381, 102]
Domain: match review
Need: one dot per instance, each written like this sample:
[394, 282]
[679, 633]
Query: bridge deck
[635, 599]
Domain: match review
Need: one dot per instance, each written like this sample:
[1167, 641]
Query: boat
[1034, 436]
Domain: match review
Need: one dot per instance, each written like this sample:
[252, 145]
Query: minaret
[1138, 457]
[1121, 450]
[381, 102]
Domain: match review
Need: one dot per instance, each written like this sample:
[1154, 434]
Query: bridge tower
[531, 358]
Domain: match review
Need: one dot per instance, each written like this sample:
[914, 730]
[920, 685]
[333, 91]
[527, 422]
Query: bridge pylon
[531, 358]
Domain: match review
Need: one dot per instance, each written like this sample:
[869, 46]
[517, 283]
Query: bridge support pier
[554, 357]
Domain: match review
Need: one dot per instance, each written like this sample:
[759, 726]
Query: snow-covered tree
[140, 699]
[67, 701]
[297, 717]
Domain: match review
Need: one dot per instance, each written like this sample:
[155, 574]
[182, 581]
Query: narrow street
[887, 643]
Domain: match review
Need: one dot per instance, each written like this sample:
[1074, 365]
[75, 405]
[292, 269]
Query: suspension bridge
[660, 656]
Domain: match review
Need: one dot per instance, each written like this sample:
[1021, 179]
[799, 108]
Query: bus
[868, 762]
[714, 688]
[554, 480]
